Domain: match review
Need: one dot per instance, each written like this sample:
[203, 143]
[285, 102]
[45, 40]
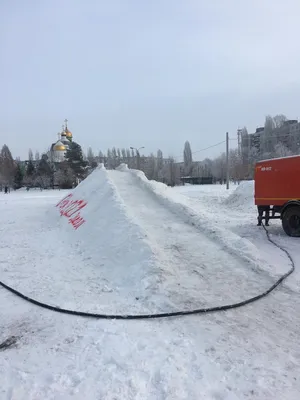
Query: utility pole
[227, 160]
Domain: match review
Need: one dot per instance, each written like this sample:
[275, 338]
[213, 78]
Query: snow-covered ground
[143, 247]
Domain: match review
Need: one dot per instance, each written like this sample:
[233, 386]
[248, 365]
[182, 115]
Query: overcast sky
[145, 73]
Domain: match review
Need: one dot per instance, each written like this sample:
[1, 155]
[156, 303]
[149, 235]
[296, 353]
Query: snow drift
[242, 198]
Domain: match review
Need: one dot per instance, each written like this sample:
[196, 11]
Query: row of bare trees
[39, 171]
[168, 170]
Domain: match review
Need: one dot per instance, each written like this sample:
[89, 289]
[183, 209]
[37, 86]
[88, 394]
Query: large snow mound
[106, 244]
[242, 197]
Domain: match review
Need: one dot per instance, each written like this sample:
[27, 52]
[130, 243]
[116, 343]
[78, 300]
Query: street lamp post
[138, 157]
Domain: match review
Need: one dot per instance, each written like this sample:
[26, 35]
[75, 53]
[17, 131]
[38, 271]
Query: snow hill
[108, 196]
[147, 242]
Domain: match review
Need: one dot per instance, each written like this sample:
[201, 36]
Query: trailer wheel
[291, 221]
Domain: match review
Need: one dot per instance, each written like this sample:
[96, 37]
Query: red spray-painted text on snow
[71, 209]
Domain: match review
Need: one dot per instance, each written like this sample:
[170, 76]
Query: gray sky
[145, 73]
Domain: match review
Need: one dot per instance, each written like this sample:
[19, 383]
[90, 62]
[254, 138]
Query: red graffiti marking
[76, 221]
[73, 207]
[64, 201]
[68, 208]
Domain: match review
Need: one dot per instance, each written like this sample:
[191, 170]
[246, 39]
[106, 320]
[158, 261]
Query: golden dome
[68, 133]
[59, 146]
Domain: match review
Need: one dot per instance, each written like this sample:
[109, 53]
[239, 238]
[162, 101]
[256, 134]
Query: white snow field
[141, 247]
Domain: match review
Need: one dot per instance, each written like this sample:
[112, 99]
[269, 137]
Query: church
[58, 149]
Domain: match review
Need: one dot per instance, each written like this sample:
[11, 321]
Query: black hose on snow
[165, 314]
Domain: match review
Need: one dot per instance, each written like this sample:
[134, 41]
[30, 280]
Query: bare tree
[254, 156]
[169, 173]
[64, 178]
[123, 154]
[245, 145]
[114, 157]
[207, 167]
[109, 159]
[37, 156]
[188, 158]
[101, 157]
[239, 169]
[159, 164]
[267, 141]
[281, 150]
[219, 168]
[279, 120]
[91, 158]
[119, 154]
[7, 166]
[269, 124]
[129, 158]
[30, 155]
[151, 167]
[42, 181]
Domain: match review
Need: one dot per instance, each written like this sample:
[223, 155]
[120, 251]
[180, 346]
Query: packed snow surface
[142, 247]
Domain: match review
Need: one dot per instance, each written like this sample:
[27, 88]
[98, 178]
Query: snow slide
[190, 261]
[204, 221]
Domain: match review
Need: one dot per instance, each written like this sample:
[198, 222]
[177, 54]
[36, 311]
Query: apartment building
[262, 142]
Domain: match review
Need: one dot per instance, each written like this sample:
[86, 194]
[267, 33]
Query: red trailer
[277, 192]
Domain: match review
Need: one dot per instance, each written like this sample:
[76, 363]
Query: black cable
[209, 147]
[166, 314]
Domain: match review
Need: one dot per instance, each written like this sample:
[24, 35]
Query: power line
[210, 147]
[206, 148]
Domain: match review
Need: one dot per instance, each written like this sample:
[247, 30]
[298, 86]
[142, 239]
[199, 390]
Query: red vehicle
[277, 192]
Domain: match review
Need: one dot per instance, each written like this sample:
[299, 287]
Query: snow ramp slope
[194, 267]
[203, 220]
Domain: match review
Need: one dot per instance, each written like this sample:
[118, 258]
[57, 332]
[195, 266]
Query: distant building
[262, 142]
[58, 149]
[255, 139]
[252, 140]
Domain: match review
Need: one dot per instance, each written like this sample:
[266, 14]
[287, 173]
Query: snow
[242, 198]
[145, 247]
